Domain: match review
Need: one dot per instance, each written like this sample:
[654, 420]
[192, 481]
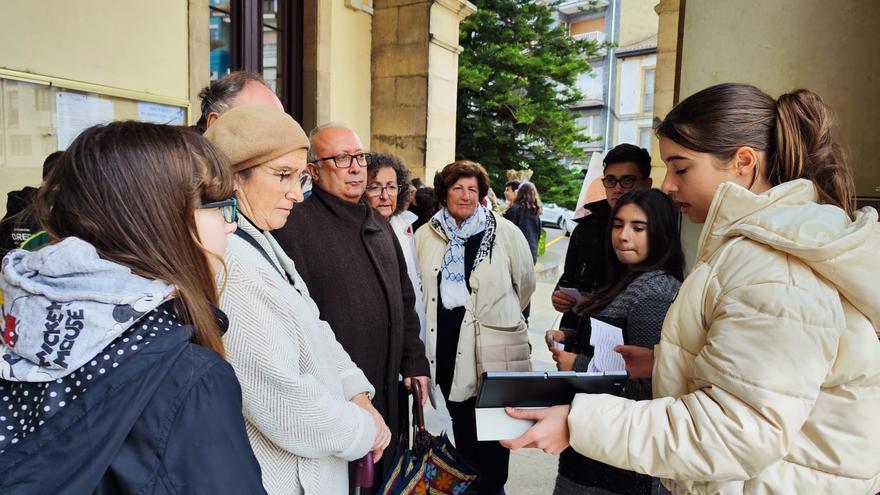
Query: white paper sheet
[603, 338]
[160, 114]
[75, 113]
[574, 294]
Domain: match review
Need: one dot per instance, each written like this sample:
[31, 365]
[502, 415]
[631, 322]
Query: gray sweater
[643, 305]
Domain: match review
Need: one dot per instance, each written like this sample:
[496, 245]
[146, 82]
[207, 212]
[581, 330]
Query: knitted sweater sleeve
[289, 405]
[644, 322]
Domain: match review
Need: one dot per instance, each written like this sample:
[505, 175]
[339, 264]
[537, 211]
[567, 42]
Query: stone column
[414, 80]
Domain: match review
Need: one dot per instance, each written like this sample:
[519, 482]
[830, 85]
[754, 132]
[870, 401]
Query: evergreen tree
[516, 83]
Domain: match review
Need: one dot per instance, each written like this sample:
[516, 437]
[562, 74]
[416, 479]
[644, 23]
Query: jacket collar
[733, 207]
[787, 218]
[594, 210]
[359, 214]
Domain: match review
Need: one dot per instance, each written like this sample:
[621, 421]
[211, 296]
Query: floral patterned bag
[432, 466]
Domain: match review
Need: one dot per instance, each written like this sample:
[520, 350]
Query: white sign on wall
[76, 113]
[160, 114]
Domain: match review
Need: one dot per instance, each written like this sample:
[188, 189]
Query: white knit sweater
[296, 379]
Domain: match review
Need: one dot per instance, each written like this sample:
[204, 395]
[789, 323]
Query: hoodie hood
[788, 219]
[63, 305]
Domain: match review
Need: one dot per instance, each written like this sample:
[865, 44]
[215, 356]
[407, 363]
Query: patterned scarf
[453, 289]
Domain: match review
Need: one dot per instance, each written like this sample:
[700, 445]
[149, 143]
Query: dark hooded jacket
[17, 225]
[585, 263]
[102, 390]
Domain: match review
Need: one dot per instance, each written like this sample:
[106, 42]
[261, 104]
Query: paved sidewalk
[532, 472]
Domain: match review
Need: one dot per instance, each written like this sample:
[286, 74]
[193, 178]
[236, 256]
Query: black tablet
[533, 389]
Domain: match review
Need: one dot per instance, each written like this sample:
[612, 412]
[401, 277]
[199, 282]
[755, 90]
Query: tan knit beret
[254, 134]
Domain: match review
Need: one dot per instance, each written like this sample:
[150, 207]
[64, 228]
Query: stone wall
[414, 80]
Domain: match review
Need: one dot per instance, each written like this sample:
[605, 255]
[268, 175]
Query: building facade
[595, 21]
[386, 68]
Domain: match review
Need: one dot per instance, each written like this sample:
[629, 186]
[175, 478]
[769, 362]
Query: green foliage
[542, 243]
[516, 83]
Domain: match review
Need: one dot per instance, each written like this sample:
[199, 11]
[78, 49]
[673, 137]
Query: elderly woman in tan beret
[306, 404]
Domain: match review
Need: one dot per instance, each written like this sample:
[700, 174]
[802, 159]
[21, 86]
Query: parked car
[558, 217]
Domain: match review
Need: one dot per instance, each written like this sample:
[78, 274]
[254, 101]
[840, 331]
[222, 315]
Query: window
[262, 36]
[648, 90]
[590, 83]
[272, 36]
[220, 35]
[20, 145]
[591, 124]
[645, 137]
[12, 109]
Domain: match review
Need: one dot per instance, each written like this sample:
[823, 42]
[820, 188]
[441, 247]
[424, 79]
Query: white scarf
[453, 289]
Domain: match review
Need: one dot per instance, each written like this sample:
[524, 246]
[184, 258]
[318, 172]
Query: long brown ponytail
[131, 189]
[806, 148]
[795, 132]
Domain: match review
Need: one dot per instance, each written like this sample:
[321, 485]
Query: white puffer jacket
[767, 375]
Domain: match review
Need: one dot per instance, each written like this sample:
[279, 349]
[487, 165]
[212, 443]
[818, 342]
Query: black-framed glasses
[376, 189]
[228, 208]
[626, 182]
[344, 160]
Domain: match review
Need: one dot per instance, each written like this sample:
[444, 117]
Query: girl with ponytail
[767, 375]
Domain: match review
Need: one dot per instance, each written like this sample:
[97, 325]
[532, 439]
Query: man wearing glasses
[626, 167]
[355, 271]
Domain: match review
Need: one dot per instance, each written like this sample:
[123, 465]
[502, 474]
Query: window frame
[643, 73]
[246, 50]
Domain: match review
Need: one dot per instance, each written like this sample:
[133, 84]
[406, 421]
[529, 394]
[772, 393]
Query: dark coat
[17, 225]
[529, 223]
[355, 271]
[166, 420]
[585, 261]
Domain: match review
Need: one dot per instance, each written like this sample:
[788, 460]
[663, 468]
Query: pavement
[532, 472]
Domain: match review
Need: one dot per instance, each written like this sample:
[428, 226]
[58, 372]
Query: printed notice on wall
[603, 338]
[160, 114]
[76, 113]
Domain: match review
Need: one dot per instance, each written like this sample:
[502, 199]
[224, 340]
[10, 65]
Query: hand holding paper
[574, 294]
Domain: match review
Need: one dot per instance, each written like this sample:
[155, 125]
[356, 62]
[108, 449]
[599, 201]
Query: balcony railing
[581, 6]
[597, 36]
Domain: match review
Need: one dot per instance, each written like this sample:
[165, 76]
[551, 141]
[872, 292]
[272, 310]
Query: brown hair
[527, 197]
[379, 161]
[131, 189]
[795, 132]
[456, 170]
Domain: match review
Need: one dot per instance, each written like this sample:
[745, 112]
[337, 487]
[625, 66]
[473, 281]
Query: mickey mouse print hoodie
[102, 390]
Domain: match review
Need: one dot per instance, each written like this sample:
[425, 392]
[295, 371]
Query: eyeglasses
[626, 182]
[374, 190]
[228, 208]
[285, 177]
[344, 160]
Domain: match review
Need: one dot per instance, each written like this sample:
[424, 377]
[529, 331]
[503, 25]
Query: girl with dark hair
[111, 345]
[646, 264]
[766, 376]
[525, 213]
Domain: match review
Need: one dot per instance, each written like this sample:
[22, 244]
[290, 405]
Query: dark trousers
[489, 458]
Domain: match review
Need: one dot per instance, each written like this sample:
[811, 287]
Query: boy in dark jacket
[626, 167]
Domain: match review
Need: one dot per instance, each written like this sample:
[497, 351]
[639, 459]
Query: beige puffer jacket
[767, 375]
